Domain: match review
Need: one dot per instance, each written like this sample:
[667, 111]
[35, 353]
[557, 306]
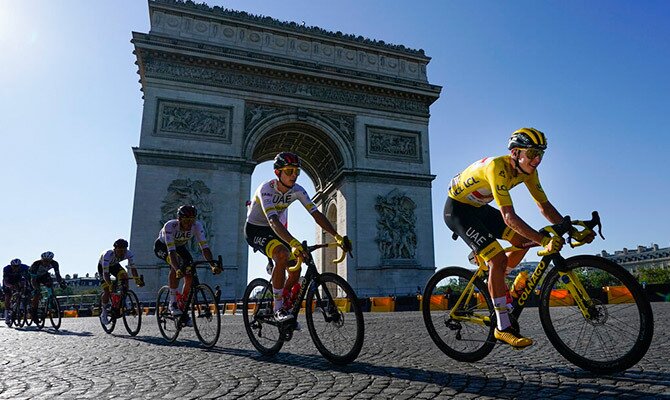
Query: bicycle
[125, 305]
[48, 308]
[591, 331]
[18, 306]
[203, 304]
[331, 309]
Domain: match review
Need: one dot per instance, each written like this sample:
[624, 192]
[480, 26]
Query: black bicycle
[48, 308]
[592, 310]
[201, 307]
[333, 314]
[124, 305]
[19, 306]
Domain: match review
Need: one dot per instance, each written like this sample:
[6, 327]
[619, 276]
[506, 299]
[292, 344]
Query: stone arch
[325, 153]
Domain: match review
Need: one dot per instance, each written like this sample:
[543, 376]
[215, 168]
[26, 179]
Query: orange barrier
[438, 302]
[230, 308]
[302, 309]
[382, 304]
[70, 313]
[344, 304]
[618, 295]
[560, 297]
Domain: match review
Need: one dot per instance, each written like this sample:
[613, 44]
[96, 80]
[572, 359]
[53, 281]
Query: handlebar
[310, 249]
[568, 226]
[218, 262]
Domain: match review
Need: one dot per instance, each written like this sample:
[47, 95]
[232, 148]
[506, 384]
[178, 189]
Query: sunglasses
[534, 153]
[291, 171]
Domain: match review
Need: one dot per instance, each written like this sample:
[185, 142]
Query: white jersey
[172, 236]
[269, 201]
[109, 258]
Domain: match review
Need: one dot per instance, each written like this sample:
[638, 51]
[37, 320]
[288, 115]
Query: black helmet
[286, 159]
[527, 138]
[15, 261]
[121, 244]
[187, 211]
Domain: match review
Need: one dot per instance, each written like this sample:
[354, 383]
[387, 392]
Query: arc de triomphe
[225, 90]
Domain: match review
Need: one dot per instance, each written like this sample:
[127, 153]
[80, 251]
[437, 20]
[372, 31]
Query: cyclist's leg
[515, 257]
[8, 298]
[105, 288]
[121, 276]
[161, 251]
[187, 269]
[263, 239]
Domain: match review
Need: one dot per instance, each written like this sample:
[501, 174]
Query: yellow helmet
[527, 138]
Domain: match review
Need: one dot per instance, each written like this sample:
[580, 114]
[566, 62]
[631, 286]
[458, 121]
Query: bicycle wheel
[41, 314]
[111, 318]
[465, 333]
[620, 324]
[257, 312]
[334, 318]
[131, 312]
[52, 310]
[25, 309]
[18, 317]
[167, 324]
[205, 315]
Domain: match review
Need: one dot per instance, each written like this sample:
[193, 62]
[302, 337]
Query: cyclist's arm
[519, 225]
[57, 271]
[279, 228]
[550, 213]
[323, 222]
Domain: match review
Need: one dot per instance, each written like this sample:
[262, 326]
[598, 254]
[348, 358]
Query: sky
[592, 75]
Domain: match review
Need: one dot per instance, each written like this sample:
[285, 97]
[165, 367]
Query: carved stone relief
[193, 192]
[392, 143]
[193, 120]
[396, 226]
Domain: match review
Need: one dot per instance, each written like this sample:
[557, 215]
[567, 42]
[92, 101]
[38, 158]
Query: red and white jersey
[269, 201]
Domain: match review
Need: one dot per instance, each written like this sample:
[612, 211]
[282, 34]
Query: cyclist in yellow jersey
[467, 212]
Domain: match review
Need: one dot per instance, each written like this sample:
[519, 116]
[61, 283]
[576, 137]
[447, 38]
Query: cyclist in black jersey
[14, 277]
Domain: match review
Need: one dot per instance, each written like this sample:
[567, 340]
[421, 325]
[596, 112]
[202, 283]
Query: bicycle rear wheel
[109, 326]
[167, 324]
[257, 312]
[205, 315]
[620, 324]
[464, 333]
[131, 311]
[334, 319]
[52, 310]
[18, 317]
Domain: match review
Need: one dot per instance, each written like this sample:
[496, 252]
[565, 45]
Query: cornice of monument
[153, 156]
[205, 10]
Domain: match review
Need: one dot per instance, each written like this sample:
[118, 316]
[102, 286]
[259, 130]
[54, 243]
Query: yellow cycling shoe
[512, 338]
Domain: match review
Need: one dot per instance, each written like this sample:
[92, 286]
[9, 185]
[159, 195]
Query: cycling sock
[279, 300]
[502, 316]
[173, 295]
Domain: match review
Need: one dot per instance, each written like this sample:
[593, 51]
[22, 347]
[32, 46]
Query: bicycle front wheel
[167, 324]
[52, 310]
[334, 319]
[131, 311]
[257, 313]
[459, 318]
[205, 315]
[615, 330]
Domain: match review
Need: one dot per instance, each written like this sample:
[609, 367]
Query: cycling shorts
[161, 251]
[479, 227]
[263, 239]
[115, 270]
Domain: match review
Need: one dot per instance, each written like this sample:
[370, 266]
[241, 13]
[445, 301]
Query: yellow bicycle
[592, 310]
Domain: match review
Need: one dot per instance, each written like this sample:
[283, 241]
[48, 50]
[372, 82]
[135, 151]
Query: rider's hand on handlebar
[297, 250]
[138, 281]
[552, 244]
[344, 243]
[585, 236]
[215, 268]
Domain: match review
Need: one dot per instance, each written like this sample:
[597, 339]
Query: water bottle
[519, 284]
[116, 300]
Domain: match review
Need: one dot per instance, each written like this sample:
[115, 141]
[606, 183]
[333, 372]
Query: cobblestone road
[398, 361]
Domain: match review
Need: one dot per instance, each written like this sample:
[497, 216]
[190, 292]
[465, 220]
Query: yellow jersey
[491, 179]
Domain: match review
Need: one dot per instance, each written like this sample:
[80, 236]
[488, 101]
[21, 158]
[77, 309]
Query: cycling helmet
[15, 261]
[286, 159]
[187, 211]
[527, 138]
[121, 243]
[47, 255]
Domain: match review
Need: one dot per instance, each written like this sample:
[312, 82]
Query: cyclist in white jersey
[109, 265]
[171, 248]
[265, 229]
